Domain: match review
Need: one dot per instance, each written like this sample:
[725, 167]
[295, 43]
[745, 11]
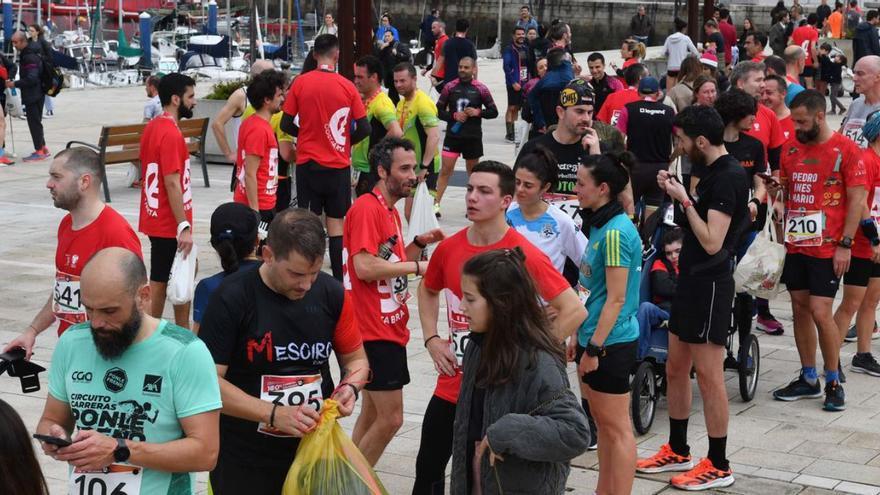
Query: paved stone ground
[776, 448]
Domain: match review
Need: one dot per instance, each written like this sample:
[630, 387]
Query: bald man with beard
[866, 79]
[233, 109]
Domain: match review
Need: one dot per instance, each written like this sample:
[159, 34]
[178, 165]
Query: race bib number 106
[116, 479]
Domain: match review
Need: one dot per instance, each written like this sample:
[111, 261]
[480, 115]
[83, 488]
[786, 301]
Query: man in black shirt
[737, 109]
[701, 308]
[457, 48]
[601, 83]
[271, 332]
[647, 125]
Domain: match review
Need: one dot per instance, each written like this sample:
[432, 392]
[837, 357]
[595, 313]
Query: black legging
[435, 448]
[644, 183]
[34, 111]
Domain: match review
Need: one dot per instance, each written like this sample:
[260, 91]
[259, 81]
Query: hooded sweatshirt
[865, 41]
[676, 49]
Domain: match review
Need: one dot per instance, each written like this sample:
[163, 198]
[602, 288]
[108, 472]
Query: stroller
[649, 374]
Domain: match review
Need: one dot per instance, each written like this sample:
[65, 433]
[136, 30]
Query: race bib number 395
[116, 479]
[290, 391]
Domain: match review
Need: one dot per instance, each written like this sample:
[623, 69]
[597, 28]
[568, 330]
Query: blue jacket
[380, 32]
[511, 65]
[554, 80]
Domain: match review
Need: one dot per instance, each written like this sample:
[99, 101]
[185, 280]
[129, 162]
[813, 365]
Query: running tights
[435, 448]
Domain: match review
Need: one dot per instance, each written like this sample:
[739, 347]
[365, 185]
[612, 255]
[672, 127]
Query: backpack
[51, 77]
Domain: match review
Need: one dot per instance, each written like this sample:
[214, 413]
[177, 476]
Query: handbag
[759, 271]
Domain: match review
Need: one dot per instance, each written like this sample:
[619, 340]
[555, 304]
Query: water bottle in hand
[386, 249]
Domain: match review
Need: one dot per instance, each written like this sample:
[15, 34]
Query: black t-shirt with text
[265, 338]
[649, 130]
[724, 187]
[750, 153]
[568, 158]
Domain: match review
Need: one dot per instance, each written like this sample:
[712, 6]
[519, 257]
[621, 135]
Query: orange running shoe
[703, 477]
[663, 461]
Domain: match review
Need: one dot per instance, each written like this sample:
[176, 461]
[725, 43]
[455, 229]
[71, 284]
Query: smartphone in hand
[59, 442]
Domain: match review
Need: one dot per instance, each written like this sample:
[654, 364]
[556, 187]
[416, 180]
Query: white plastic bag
[182, 282]
[422, 217]
[759, 271]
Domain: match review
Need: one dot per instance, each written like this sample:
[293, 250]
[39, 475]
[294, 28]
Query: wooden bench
[125, 143]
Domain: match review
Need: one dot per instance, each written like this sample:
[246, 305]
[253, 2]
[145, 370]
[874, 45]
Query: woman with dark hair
[517, 424]
[234, 235]
[748, 28]
[35, 33]
[19, 470]
[607, 342]
[548, 227]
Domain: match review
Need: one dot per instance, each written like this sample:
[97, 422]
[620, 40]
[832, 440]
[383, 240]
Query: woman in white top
[549, 228]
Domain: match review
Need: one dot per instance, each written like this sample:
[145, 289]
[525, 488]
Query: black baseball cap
[576, 92]
[233, 221]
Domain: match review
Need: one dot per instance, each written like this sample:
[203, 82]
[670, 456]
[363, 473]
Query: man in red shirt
[438, 66]
[90, 226]
[615, 102]
[773, 98]
[326, 104]
[807, 37]
[166, 198]
[729, 34]
[377, 267]
[823, 180]
[754, 46]
[490, 191]
[257, 163]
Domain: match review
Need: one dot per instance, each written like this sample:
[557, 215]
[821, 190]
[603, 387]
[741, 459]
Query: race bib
[568, 204]
[400, 289]
[804, 228]
[460, 341]
[669, 216]
[66, 303]
[290, 391]
[523, 74]
[272, 183]
[115, 479]
[583, 294]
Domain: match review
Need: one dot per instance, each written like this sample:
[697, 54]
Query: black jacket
[865, 41]
[30, 63]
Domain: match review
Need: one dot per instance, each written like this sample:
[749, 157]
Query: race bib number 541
[116, 479]
[290, 391]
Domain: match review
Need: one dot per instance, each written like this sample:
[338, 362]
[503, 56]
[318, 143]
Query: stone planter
[209, 109]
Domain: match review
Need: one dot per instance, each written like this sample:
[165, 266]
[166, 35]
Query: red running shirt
[444, 274]
[438, 52]
[862, 246]
[326, 103]
[766, 129]
[615, 103]
[75, 248]
[382, 312]
[256, 137]
[163, 153]
[787, 126]
[805, 37]
[815, 178]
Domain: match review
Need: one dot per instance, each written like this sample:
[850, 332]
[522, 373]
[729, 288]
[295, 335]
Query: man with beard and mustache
[166, 198]
[377, 265]
[823, 179]
[90, 226]
[141, 392]
[712, 223]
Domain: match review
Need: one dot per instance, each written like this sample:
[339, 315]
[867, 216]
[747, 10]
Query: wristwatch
[419, 244]
[594, 350]
[845, 242]
[121, 454]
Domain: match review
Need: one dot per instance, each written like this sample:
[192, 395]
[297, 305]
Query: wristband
[419, 244]
[435, 336]
[355, 390]
[756, 201]
[182, 226]
[869, 230]
[418, 269]
[272, 416]
[686, 204]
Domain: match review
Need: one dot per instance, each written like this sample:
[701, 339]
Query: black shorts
[612, 375]
[230, 477]
[809, 71]
[162, 251]
[365, 183]
[816, 275]
[861, 271]
[701, 310]
[514, 97]
[388, 364]
[323, 190]
[673, 73]
[468, 148]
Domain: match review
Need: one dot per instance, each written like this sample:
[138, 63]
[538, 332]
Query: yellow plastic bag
[328, 463]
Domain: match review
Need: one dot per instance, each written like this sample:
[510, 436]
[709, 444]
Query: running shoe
[703, 477]
[835, 399]
[865, 363]
[5, 160]
[37, 156]
[769, 325]
[798, 389]
[509, 138]
[663, 461]
[852, 335]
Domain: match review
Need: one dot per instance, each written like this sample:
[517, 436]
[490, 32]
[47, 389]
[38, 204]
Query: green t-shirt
[415, 116]
[614, 244]
[380, 113]
[140, 396]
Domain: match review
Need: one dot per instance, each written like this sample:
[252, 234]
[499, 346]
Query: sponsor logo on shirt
[152, 385]
[652, 112]
[115, 380]
[81, 377]
[124, 419]
[335, 129]
[316, 352]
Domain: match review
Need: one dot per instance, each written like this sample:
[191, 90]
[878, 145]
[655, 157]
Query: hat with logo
[648, 86]
[709, 59]
[576, 92]
[233, 221]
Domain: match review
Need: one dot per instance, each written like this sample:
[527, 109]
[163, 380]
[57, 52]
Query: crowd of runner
[548, 271]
